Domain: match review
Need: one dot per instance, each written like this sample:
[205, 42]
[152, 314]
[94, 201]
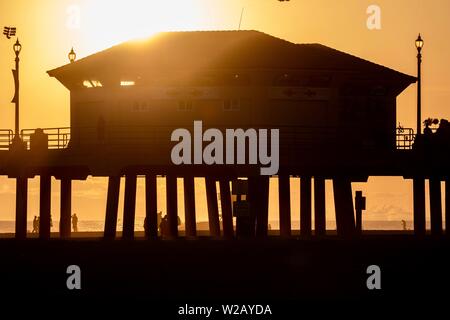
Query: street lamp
[419, 46]
[17, 48]
[72, 56]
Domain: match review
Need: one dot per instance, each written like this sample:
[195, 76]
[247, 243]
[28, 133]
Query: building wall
[318, 117]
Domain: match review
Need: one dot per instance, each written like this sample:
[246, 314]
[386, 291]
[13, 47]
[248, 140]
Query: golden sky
[48, 29]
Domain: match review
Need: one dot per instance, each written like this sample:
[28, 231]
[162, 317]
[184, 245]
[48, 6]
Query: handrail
[404, 138]
[59, 137]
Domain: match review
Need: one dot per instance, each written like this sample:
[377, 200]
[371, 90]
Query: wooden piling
[21, 207]
[262, 214]
[447, 207]
[66, 208]
[419, 205]
[319, 206]
[189, 207]
[284, 205]
[305, 206]
[227, 214]
[151, 214]
[45, 207]
[213, 209]
[129, 206]
[343, 200]
[172, 206]
[112, 204]
[435, 206]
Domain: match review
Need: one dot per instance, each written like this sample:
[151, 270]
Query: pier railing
[6, 137]
[58, 138]
[404, 138]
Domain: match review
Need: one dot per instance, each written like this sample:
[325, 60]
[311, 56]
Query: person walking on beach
[75, 222]
[35, 225]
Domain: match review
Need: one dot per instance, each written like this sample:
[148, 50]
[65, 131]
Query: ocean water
[98, 225]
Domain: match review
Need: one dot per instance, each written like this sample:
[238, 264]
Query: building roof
[218, 50]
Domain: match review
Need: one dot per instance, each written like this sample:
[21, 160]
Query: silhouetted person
[158, 220]
[164, 226]
[35, 225]
[38, 224]
[75, 222]
[404, 225]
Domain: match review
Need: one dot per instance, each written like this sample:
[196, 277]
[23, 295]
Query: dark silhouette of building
[336, 115]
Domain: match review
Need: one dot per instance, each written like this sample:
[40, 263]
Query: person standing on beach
[75, 222]
[35, 225]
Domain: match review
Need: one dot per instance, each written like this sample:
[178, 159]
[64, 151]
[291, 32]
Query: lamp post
[17, 48]
[72, 55]
[419, 46]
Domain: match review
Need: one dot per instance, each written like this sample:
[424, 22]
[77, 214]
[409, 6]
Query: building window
[141, 106]
[184, 105]
[92, 83]
[231, 105]
[127, 83]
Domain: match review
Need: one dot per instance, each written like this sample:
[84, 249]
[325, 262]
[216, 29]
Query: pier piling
[112, 204]
[45, 206]
[319, 206]
[419, 205]
[213, 209]
[129, 206]
[262, 214]
[284, 205]
[189, 207]
[227, 215]
[435, 206]
[343, 201]
[66, 208]
[305, 206]
[21, 207]
[151, 230]
[172, 205]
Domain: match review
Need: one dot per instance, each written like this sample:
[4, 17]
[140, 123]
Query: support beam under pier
[305, 206]
[129, 206]
[343, 201]
[112, 204]
[151, 214]
[262, 214]
[213, 209]
[172, 206]
[419, 206]
[284, 205]
[45, 206]
[66, 208]
[435, 206]
[227, 214]
[319, 206]
[447, 206]
[21, 207]
[190, 221]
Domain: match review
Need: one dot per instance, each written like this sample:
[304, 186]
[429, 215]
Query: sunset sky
[48, 29]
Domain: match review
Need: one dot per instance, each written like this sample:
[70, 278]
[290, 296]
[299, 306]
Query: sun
[105, 23]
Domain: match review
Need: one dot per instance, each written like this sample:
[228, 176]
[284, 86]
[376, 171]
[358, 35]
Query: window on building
[231, 104]
[92, 83]
[185, 105]
[127, 83]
